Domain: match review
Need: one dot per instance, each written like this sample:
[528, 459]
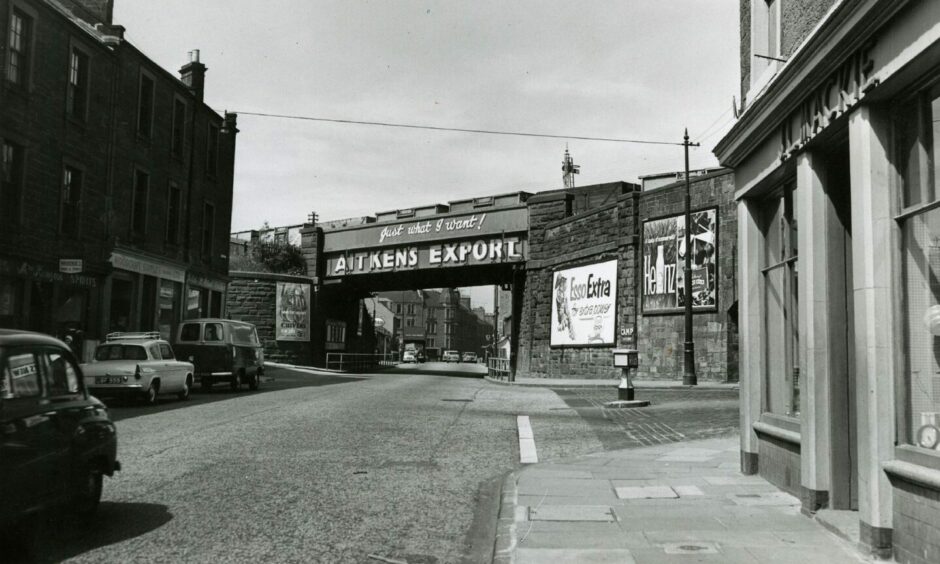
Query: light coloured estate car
[137, 364]
[451, 356]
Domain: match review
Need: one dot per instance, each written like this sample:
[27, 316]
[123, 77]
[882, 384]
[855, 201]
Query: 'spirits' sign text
[457, 253]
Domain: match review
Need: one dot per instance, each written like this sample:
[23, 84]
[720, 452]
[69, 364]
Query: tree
[269, 256]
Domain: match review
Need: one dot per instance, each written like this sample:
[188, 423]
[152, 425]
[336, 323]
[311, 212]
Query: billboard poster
[584, 305]
[664, 261]
[292, 318]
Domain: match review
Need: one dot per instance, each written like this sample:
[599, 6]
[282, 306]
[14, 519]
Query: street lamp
[688, 378]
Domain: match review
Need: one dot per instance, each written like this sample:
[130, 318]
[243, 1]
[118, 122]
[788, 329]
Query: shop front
[204, 296]
[144, 294]
[838, 189]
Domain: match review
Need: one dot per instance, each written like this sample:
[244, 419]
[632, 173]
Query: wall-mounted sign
[42, 273]
[71, 266]
[142, 266]
[584, 305]
[664, 260]
[434, 228]
[292, 312]
[456, 253]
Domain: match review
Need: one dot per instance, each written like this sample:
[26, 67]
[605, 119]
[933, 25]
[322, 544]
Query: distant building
[653, 181]
[116, 186]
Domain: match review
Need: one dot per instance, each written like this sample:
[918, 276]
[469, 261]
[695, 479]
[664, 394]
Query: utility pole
[688, 378]
[569, 169]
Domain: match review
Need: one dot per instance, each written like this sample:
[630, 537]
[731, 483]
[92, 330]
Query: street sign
[71, 266]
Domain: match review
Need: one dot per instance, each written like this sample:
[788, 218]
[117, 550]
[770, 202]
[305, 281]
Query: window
[449, 313]
[179, 127]
[448, 329]
[145, 106]
[917, 158]
[189, 332]
[173, 201]
[411, 309]
[781, 356]
[76, 100]
[120, 352]
[208, 228]
[20, 376]
[20, 43]
[61, 376]
[410, 322]
[213, 332]
[430, 342]
[11, 183]
[70, 211]
[212, 150]
[397, 308]
[141, 195]
[335, 332]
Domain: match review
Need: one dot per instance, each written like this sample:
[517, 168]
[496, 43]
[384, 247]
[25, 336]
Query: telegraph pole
[688, 378]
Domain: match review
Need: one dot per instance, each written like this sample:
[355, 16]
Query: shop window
[76, 99]
[20, 48]
[145, 106]
[141, 195]
[215, 306]
[11, 183]
[70, 211]
[122, 292]
[148, 303]
[168, 307]
[916, 158]
[781, 354]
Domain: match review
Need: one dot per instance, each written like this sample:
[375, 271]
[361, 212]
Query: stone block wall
[916, 533]
[661, 337]
[252, 297]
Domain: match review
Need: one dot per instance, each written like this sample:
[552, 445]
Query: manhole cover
[691, 548]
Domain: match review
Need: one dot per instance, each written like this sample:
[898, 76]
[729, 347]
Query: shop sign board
[43, 273]
[584, 307]
[436, 228]
[141, 266]
[434, 255]
[71, 266]
[292, 316]
[664, 261]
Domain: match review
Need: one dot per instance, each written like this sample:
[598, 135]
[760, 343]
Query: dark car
[420, 356]
[222, 350]
[56, 440]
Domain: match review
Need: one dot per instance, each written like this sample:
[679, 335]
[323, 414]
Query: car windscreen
[121, 352]
[190, 332]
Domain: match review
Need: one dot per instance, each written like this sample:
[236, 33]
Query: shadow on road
[439, 369]
[57, 536]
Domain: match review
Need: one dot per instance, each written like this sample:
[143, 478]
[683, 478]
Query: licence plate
[108, 380]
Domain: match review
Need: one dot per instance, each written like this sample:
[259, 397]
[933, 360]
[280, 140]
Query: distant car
[469, 357]
[140, 365]
[409, 356]
[420, 356]
[451, 356]
[222, 350]
[56, 440]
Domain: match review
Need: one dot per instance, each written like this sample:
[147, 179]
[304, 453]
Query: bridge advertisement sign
[585, 306]
[292, 312]
[435, 255]
[664, 260]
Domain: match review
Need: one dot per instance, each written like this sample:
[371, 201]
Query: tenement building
[838, 207]
[116, 184]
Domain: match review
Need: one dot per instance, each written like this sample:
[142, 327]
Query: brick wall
[252, 297]
[916, 533]
[661, 337]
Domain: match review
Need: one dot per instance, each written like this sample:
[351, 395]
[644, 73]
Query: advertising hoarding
[664, 261]
[292, 315]
[584, 308]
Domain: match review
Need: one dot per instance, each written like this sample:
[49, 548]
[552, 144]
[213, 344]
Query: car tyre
[236, 383]
[187, 388]
[254, 382]
[87, 492]
[150, 396]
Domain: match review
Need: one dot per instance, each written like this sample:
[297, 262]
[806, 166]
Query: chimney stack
[193, 75]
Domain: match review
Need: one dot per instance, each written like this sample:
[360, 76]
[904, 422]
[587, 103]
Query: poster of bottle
[584, 305]
[664, 262]
[292, 318]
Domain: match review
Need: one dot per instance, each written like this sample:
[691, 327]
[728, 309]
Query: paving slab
[646, 492]
[572, 513]
[573, 556]
[579, 539]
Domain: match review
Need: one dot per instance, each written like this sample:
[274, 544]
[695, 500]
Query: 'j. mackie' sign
[584, 309]
[413, 257]
[664, 261]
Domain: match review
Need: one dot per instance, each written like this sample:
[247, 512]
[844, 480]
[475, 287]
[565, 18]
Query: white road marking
[527, 454]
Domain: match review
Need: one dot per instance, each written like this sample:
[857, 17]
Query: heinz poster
[664, 261]
[292, 318]
[584, 306]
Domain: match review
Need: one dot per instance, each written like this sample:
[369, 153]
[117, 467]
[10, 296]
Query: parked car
[139, 365]
[408, 356]
[469, 357]
[222, 350]
[451, 356]
[56, 440]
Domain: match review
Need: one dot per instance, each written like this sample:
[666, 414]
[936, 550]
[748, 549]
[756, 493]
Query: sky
[635, 69]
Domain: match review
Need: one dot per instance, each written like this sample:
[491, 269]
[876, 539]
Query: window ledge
[915, 473]
[777, 432]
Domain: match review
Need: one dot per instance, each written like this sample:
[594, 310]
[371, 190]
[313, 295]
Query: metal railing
[498, 368]
[359, 362]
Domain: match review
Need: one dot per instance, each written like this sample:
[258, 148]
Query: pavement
[679, 502]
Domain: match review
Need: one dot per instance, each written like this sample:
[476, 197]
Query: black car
[56, 440]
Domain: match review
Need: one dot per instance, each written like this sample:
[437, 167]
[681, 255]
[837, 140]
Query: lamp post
[688, 377]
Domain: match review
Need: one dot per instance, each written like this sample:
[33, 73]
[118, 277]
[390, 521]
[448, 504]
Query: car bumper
[115, 390]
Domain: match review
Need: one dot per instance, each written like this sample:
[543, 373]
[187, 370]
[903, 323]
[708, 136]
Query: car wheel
[87, 492]
[187, 386]
[150, 396]
[236, 383]
[255, 381]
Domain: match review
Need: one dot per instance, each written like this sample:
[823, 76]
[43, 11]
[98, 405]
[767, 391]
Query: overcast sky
[635, 69]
